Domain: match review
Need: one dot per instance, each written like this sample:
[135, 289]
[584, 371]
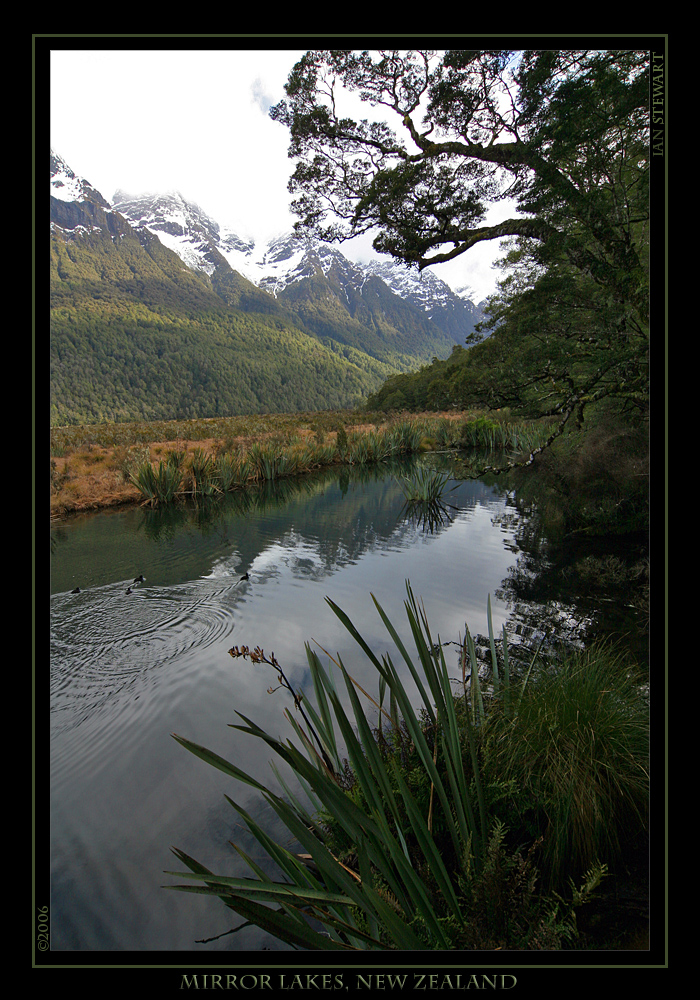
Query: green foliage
[577, 753]
[158, 484]
[571, 133]
[570, 322]
[404, 847]
[431, 387]
[505, 904]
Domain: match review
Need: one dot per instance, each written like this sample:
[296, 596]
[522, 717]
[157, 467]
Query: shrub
[130, 459]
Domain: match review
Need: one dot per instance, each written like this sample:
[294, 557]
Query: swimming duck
[76, 591]
[128, 591]
[140, 579]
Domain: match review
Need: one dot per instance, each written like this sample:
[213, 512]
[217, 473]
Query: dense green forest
[137, 335]
[433, 387]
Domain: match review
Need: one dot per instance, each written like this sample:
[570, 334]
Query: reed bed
[236, 452]
[284, 456]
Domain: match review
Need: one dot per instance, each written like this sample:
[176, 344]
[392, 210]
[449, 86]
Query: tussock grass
[424, 485]
[158, 484]
[493, 435]
[577, 749]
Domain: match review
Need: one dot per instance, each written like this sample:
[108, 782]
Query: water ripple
[106, 644]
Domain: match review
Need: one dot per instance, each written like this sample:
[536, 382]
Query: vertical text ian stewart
[658, 104]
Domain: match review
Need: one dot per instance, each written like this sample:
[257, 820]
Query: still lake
[128, 670]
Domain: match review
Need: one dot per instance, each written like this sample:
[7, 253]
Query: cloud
[264, 102]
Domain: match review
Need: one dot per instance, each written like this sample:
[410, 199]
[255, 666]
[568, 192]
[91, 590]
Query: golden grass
[88, 476]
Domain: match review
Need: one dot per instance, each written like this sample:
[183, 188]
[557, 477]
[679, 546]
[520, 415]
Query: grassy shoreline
[91, 466]
[90, 463]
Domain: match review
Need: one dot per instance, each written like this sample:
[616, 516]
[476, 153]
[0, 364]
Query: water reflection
[126, 671]
[429, 515]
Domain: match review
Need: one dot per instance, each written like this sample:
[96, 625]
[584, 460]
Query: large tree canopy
[566, 134]
[563, 136]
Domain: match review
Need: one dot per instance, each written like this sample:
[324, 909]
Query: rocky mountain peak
[206, 246]
[68, 187]
[75, 203]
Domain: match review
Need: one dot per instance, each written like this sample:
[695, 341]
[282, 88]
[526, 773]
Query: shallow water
[127, 671]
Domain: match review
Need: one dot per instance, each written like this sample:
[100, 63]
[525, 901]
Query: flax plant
[202, 471]
[424, 490]
[428, 860]
[406, 436]
[227, 471]
[158, 484]
[425, 485]
[384, 902]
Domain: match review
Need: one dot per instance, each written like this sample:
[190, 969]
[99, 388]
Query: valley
[158, 312]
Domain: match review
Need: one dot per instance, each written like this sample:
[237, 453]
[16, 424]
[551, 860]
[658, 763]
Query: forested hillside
[137, 335]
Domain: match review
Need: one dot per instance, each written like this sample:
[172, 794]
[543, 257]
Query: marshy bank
[107, 465]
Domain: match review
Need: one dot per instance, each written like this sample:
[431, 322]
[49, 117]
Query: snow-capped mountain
[289, 258]
[68, 187]
[151, 290]
[182, 226]
[452, 312]
[75, 203]
[202, 243]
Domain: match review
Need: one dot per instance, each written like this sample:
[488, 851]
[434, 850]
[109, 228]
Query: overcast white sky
[197, 122]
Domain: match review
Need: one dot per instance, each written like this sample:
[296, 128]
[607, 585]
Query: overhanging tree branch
[563, 134]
